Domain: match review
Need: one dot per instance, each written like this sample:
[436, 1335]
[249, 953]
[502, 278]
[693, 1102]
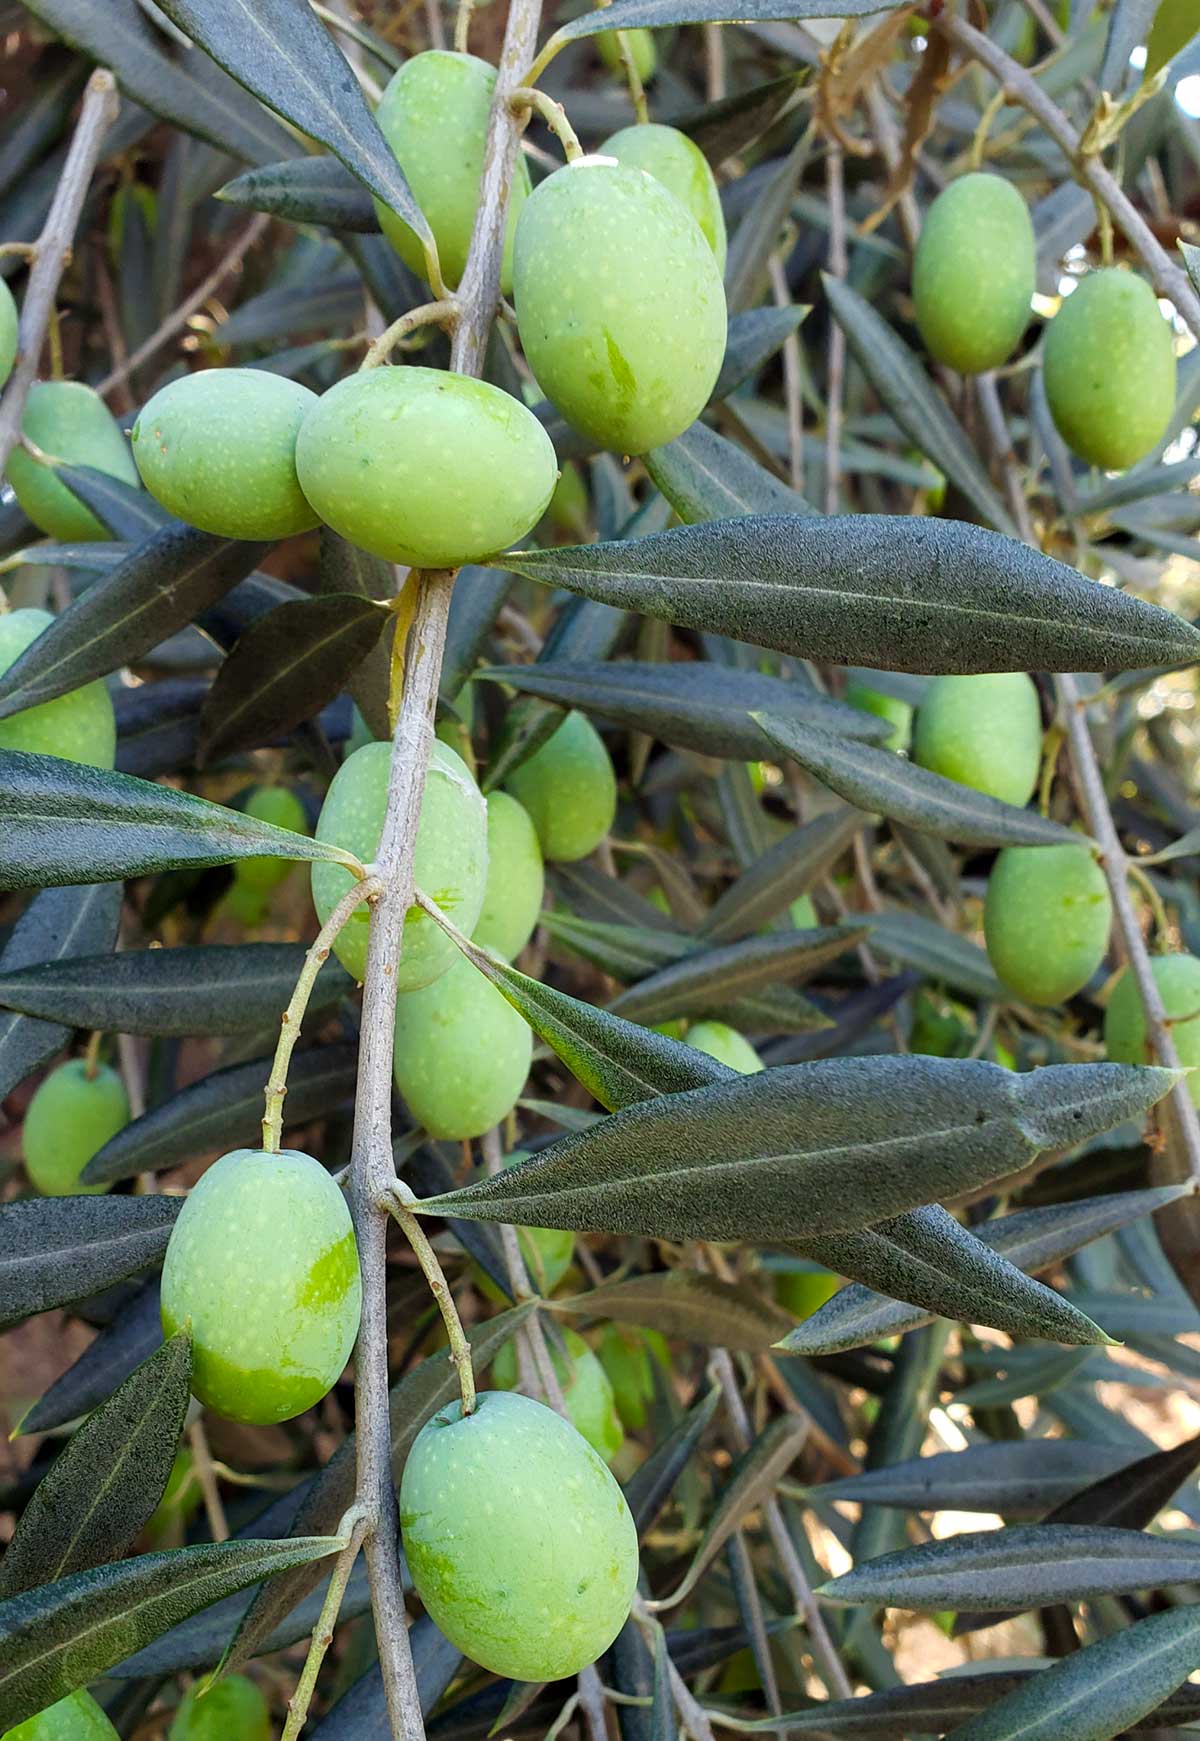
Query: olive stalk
[353, 1528]
[526, 101]
[460, 1349]
[443, 312]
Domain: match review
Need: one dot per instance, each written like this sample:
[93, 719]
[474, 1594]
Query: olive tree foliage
[993, 1149]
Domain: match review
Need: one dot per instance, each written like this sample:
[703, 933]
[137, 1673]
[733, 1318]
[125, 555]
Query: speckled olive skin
[1178, 980]
[462, 1053]
[620, 304]
[424, 467]
[434, 115]
[682, 168]
[519, 1541]
[262, 1260]
[569, 789]
[1109, 368]
[642, 46]
[984, 732]
[76, 1718]
[218, 449]
[231, 1709]
[70, 1118]
[71, 422]
[516, 878]
[726, 1045]
[974, 273]
[587, 1391]
[450, 861]
[79, 726]
[1046, 920]
[9, 324]
[889, 707]
[279, 806]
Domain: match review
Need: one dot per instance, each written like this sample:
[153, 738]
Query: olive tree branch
[51, 252]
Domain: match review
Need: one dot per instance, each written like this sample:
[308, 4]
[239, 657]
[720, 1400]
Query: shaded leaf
[782, 873]
[653, 1482]
[128, 511]
[132, 1336]
[723, 128]
[686, 1303]
[1021, 1479]
[712, 980]
[706, 477]
[347, 571]
[56, 925]
[941, 955]
[753, 338]
[625, 951]
[57, 1249]
[305, 190]
[657, 14]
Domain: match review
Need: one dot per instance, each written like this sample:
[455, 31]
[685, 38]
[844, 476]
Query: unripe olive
[1109, 366]
[1178, 980]
[70, 1118]
[516, 878]
[586, 1387]
[641, 46]
[940, 1027]
[627, 1354]
[230, 1709]
[518, 1539]
[79, 726]
[984, 732]
[889, 707]
[279, 806]
[620, 304]
[9, 324]
[974, 273]
[67, 421]
[424, 467]
[1046, 920]
[672, 158]
[262, 1263]
[462, 1053]
[450, 861]
[76, 1718]
[434, 115]
[802, 1292]
[803, 914]
[569, 506]
[726, 1045]
[218, 449]
[167, 1525]
[569, 789]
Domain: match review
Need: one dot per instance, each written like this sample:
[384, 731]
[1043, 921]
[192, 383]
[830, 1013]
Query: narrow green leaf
[653, 1482]
[706, 477]
[624, 951]
[57, 1249]
[712, 980]
[346, 571]
[686, 1303]
[753, 338]
[658, 14]
[783, 873]
[941, 955]
[305, 190]
[1175, 24]
[131, 1337]
[103, 1486]
[56, 925]
[1022, 1479]
[724, 128]
[127, 510]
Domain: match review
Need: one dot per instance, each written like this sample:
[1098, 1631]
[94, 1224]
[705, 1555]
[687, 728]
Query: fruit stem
[462, 25]
[442, 313]
[460, 1348]
[1162, 926]
[318, 954]
[633, 78]
[354, 1528]
[91, 1056]
[526, 101]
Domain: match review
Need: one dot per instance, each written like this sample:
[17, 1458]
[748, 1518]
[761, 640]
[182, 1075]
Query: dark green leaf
[347, 571]
[713, 980]
[57, 924]
[55, 1639]
[1023, 1479]
[882, 781]
[305, 190]
[782, 873]
[658, 14]
[129, 512]
[652, 1483]
[104, 1485]
[207, 989]
[62, 822]
[724, 128]
[941, 955]
[687, 1303]
[1030, 1373]
[625, 951]
[806, 1149]
[131, 1337]
[706, 477]
[902, 593]
[57, 1249]
[756, 237]
[754, 337]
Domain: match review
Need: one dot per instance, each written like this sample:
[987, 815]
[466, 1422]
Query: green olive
[79, 726]
[76, 1718]
[641, 45]
[803, 914]
[67, 421]
[802, 1292]
[9, 325]
[974, 273]
[889, 707]
[434, 115]
[450, 861]
[262, 1264]
[1178, 980]
[625, 1355]
[671, 157]
[462, 1053]
[279, 806]
[1046, 920]
[424, 467]
[218, 449]
[726, 1045]
[230, 1709]
[569, 789]
[1109, 369]
[518, 1539]
[70, 1118]
[516, 878]
[586, 1387]
[983, 732]
[569, 508]
[620, 304]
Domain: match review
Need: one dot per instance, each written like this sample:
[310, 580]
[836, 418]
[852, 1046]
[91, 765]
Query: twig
[206, 1477]
[526, 101]
[460, 1348]
[356, 1522]
[835, 380]
[691, 1713]
[514, 1265]
[443, 312]
[1002, 447]
[53, 248]
[793, 384]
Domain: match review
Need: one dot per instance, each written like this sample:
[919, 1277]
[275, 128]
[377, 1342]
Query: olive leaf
[128, 1339]
[304, 190]
[1020, 1480]
[56, 925]
[686, 1303]
[710, 981]
[57, 1249]
[706, 477]
[780, 875]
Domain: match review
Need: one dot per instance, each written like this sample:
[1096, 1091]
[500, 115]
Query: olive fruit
[628, 1355]
[984, 732]
[70, 1118]
[230, 1709]
[569, 789]
[802, 1291]
[450, 861]
[434, 115]
[671, 157]
[279, 806]
[803, 914]
[586, 1388]
[9, 325]
[641, 46]
[462, 1053]
[1046, 920]
[569, 506]
[166, 1526]
[516, 878]
[218, 449]
[726, 1045]
[518, 1539]
[898, 713]
[974, 273]
[1178, 980]
[262, 1263]
[1109, 369]
[424, 467]
[76, 1718]
[619, 303]
[79, 726]
[67, 421]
